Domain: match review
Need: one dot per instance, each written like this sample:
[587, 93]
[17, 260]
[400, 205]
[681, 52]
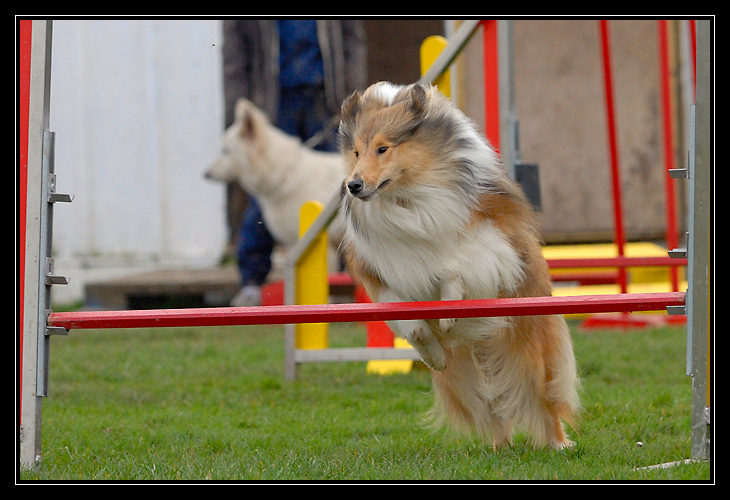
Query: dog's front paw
[452, 288]
[420, 336]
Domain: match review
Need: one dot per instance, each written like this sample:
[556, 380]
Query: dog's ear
[412, 100]
[245, 116]
[351, 106]
[417, 100]
[248, 126]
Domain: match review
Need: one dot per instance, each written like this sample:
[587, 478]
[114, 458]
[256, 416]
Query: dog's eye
[382, 149]
[357, 155]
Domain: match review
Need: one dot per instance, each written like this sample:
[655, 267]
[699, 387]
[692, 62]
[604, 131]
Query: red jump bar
[338, 313]
[616, 262]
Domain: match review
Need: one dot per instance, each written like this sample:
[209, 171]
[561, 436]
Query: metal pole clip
[54, 197]
[52, 279]
[676, 310]
[55, 330]
[678, 173]
[679, 253]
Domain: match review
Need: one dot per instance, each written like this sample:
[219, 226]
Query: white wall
[136, 106]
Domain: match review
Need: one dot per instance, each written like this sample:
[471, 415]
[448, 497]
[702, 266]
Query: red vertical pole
[669, 199]
[491, 82]
[24, 49]
[613, 150]
[693, 55]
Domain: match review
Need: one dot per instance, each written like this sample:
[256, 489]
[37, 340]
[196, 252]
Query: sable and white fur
[431, 215]
[277, 169]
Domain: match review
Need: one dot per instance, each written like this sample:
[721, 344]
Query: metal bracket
[679, 253]
[54, 197]
[678, 173]
[677, 310]
[684, 173]
[55, 330]
[51, 279]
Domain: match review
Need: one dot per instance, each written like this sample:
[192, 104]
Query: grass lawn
[202, 404]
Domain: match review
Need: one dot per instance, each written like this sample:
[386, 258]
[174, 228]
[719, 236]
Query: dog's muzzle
[357, 189]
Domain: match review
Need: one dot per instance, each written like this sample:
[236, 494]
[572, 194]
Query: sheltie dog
[430, 214]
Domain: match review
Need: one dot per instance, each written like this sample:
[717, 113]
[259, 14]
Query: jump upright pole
[668, 136]
[499, 115]
[700, 246]
[35, 169]
[619, 236]
[29, 410]
[491, 83]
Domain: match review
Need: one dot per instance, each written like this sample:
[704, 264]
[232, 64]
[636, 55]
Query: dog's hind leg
[501, 432]
[557, 437]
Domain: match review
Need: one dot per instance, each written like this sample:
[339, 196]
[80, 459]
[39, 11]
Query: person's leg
[254, 256]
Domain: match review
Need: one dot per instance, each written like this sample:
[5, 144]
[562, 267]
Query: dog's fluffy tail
[523, 375]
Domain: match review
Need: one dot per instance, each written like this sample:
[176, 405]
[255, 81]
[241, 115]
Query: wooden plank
[117, 293]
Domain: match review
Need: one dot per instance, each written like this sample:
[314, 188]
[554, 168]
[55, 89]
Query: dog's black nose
[355, 185]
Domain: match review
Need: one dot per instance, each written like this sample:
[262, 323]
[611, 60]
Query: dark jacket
[251, 62]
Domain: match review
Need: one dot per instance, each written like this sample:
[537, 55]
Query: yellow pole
[430, 49]
[312, 283]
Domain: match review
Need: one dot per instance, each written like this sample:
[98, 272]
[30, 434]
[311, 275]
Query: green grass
[212, 404]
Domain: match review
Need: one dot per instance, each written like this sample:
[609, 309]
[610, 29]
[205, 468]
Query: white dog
[278, 170]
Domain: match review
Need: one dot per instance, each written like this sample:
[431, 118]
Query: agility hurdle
[39, 323]
[501, 124]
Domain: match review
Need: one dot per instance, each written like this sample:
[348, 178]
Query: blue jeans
[302, 113]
